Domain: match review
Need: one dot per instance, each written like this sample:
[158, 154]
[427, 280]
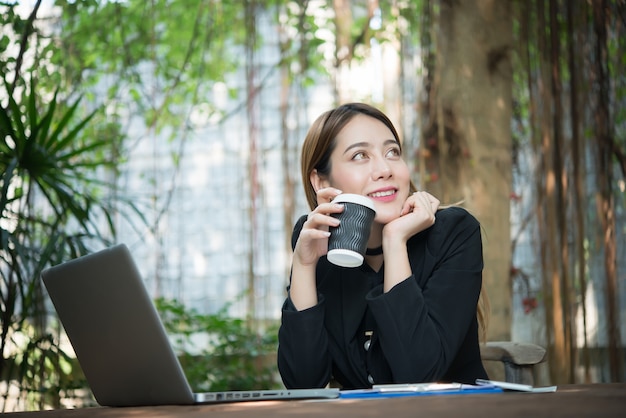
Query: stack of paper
[421, 389]
[515, 386]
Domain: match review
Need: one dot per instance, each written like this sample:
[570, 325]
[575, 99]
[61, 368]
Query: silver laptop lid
[115, 330]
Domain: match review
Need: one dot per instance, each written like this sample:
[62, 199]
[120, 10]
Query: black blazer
[423, 330]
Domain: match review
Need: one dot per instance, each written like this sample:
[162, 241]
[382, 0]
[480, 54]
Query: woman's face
[367, 160]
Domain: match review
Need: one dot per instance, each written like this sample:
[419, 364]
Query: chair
[519, 359]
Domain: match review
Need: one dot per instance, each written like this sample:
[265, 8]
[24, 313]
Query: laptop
[120, 341]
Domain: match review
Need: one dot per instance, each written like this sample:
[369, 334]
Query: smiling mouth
[382, 194]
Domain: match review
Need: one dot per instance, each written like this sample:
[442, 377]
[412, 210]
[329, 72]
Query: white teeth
[382, 194]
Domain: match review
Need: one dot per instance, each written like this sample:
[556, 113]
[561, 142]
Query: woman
[409, 313]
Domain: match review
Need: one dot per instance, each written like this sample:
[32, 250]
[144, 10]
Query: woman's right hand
[313, 240]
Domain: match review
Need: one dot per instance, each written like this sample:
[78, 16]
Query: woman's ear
[318, 181]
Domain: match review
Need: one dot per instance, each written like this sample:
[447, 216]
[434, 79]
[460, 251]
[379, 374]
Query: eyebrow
[368, 145]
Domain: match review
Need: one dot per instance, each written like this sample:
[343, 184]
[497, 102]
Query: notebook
[120, 341]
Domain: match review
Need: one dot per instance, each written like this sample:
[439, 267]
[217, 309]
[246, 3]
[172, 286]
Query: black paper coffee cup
[348, 241]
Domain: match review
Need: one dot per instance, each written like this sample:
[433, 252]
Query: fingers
[316, 220]
[429, 202]
[433, 201]
[418, 214]
[319, 216]
[312, 242]
[421, 201]
[327, 194]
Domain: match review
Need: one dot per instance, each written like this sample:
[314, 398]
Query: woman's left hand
[418, 214]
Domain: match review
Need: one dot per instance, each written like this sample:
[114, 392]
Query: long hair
[320, 142]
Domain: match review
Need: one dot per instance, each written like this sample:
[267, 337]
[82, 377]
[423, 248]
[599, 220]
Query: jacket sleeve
[424, 320]
[303, 358]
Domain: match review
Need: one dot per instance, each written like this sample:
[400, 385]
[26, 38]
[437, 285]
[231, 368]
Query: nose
[381, 170]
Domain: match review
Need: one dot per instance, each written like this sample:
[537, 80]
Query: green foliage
[51, 209]
[218, 352]
[54, 205]
[44, 371]
[301, 54]
[160, 57]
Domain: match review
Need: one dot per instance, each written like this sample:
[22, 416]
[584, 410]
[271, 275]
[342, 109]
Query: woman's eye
[359, 156]
[394, 152]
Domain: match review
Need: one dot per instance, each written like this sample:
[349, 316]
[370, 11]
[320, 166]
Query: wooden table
[597, 400]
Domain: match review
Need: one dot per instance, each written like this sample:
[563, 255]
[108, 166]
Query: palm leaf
[94, 146]
[55, 141]
[6, 182]
[46, 121]
[18, 131]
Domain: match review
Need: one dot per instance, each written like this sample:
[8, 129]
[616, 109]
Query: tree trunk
[469, 140]
[288, 181]
[604, 197]
[548, 204]
[343, 41]
[253, 128]
[561, 277]
[578, 175]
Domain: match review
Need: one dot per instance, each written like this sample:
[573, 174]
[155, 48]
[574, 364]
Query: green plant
[52, 207]
[232, 355]
[44, 371]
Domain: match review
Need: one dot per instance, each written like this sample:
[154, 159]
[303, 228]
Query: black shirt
[423, 330]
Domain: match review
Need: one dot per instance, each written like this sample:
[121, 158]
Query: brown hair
[320, 141]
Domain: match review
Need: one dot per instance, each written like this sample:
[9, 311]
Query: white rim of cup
[355, 198]
[345, 258]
